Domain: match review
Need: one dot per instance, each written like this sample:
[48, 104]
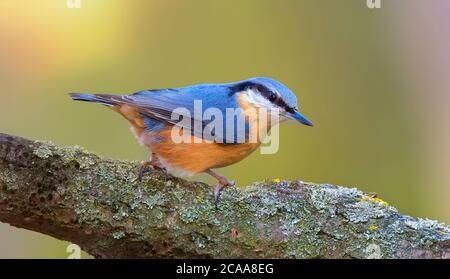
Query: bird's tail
[104, 99]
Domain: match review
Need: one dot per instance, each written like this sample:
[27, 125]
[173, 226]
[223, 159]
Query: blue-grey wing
[190, 104]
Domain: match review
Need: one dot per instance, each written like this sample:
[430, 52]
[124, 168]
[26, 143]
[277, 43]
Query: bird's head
[272, 95]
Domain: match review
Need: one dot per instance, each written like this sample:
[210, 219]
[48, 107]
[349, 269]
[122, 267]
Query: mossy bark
[100, 205]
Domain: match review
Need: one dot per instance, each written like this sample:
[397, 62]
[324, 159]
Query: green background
[374, 82]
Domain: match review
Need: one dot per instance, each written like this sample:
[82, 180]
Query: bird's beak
[300, 118]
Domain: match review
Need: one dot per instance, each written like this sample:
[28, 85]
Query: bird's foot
[219, 188]
[145, 167]
[223, 182]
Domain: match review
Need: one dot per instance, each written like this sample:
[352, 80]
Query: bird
[155, 113]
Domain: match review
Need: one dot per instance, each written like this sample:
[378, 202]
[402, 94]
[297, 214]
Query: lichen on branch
[99, 204]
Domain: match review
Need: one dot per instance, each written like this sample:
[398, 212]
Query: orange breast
[198, 157]
[189, 158]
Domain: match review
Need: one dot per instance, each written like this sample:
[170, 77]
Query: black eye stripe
[265, 92]
[272, 97]
[268, 94]
[289, 109]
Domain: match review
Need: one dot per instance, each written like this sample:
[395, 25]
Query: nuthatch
[154, 114]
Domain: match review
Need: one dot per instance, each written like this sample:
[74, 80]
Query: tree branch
[100, 205]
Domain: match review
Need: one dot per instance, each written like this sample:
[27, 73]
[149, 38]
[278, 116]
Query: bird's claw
[218, 191]
[142, 169]
[146, 166]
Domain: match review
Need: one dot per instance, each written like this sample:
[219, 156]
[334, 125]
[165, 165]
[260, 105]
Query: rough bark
[100, 205]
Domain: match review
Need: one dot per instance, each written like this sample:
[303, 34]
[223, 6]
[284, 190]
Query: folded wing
[171, 105]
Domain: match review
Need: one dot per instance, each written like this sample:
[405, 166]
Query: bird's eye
[272, 97]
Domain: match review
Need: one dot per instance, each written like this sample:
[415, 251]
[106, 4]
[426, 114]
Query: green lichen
[326, 197]
[273, 219]
[270, 204]
[9, 179]
[157, 199]
[307, 226]
[373, 228]
[122, 213]
[201, 214]
[43, 151]
[200, 241]
[178, 193]
[118, 234]
[362, 211]
[430, 230]
[374, 200]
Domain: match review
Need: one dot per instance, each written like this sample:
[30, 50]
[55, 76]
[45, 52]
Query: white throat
[258, 101]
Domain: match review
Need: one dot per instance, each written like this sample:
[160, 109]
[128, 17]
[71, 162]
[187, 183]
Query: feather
[164, 104]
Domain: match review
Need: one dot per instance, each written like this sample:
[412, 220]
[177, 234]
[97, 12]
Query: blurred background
[374, 81]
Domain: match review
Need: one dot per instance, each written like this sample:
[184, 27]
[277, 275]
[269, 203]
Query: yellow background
[374, 82]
